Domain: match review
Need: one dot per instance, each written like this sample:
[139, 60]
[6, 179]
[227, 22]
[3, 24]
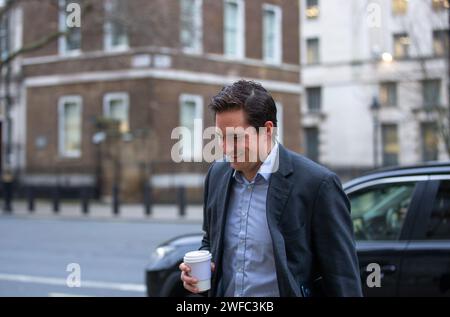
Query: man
[276, 226]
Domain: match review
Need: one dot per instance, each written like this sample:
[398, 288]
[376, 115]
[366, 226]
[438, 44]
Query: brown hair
[252, 97]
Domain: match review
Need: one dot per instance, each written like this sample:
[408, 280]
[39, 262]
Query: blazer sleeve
[206, 217]
[333, 240]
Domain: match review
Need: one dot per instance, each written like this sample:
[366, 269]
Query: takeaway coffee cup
[200, 264]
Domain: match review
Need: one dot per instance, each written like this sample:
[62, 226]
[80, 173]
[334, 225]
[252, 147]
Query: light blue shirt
[248, 259]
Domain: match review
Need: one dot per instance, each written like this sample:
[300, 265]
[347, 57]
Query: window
[440, 42]
[280, 122]
[116, 106]
[4, 44]
[272, 33]
[116, 36]
[191, 108]
[379, 212]
[439, 222]
[314, 99]
[440, 5]
[431, 93]
[191, 25]
[312, 9]
[390, 144]
[312, 143]
[70, 43]
[234, 28]
[69, 126]
[401, 45]
[312, 51]
[429, 142]
[388, 94]
[399, 6]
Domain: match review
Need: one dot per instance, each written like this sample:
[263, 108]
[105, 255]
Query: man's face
[239, 140]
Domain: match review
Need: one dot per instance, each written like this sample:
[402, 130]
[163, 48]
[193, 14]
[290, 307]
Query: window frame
[312, 18]
[278, 49]
[115, 96]
[439, 34]
[438, 7]
[240, 50]
[107, 32]
[407, 53]
[5, 40]
[395, 127]
[432, 128]
[62, 27]
[386, 85]
[425, 103]
[198, 142]
[308, 91]
[307, 146]
[198, 23]
[399, 13]
[280, 123]
[318, 59]
[61, 123]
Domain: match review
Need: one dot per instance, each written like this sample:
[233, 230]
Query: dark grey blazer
[309, 220]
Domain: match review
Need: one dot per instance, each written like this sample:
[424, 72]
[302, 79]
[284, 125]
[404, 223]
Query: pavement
[103, 211]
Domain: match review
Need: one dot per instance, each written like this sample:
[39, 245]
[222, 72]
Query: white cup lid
[197, 256]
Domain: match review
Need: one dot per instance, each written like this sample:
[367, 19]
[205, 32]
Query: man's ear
[269, 126]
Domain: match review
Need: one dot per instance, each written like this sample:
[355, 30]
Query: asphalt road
[35, 253]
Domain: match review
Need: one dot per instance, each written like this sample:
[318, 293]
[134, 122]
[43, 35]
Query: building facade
[375, 75]
[100, 101]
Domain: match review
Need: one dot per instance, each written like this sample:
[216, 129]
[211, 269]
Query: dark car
[401, 219]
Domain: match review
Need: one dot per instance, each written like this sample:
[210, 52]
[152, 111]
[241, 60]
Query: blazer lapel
[277, 195]
[279, 187]
[222, 203]
[221, 211]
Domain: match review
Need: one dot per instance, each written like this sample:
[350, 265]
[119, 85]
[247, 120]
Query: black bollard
[147, 199]
[85, 200]
[56, 199]
[30, 198]
[7, 187]
[181, 197]
[116, 202]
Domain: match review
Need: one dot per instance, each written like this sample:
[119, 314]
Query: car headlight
[161, 252]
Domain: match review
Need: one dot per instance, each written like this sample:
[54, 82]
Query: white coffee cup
[200, 264]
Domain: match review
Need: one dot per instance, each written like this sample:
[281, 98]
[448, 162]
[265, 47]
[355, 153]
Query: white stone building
[356, 50]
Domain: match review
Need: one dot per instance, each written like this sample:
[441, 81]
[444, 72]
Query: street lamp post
[375, 109]
[5, 74]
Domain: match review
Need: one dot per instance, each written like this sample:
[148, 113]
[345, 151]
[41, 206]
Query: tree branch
[33, 46]
[87, 7]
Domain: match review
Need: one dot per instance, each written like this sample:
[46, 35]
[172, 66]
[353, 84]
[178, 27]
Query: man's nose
[230, 146]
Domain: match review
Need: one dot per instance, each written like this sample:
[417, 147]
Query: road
[35, 252]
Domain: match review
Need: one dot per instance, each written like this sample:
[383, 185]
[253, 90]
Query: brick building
[150, 66]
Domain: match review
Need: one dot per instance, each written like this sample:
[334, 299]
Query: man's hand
[190, 283]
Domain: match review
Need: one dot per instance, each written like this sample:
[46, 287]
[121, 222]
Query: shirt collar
[267, 167]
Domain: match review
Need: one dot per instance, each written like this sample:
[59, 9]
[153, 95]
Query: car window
[439, 223]
[378, 212]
